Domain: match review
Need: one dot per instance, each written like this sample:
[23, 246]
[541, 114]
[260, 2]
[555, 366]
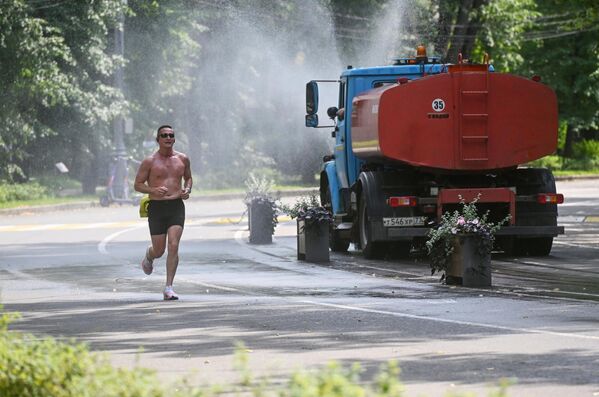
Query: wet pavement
[77, 274]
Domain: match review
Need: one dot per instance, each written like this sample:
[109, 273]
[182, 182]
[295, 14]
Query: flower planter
[313, 241]
[260, 215]
[468, 267]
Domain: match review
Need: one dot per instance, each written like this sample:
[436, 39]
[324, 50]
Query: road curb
[37, 209]
[576, 177]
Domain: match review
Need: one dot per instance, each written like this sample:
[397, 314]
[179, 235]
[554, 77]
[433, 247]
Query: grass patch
[49, 201]
[567, 173]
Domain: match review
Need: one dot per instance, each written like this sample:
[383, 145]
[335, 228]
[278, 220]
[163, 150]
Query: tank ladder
[474, 116]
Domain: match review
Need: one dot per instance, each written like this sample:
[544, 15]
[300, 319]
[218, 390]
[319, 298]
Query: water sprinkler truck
[417, 138]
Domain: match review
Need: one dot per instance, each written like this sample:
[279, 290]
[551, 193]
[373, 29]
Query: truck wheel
[370, 249]
[538, 246]
[400, 249]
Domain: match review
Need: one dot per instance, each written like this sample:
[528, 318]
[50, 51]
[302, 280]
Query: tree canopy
[230, 74]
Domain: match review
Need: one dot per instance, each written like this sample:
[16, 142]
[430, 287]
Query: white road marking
[570, 219]
[68, 226]
[449, 321]
[102, 245]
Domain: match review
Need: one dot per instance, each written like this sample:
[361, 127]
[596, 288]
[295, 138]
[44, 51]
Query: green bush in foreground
[45, 367]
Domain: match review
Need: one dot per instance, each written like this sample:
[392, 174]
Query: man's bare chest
[171, 167]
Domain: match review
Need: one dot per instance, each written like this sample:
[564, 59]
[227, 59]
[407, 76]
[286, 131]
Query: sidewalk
[96, 203]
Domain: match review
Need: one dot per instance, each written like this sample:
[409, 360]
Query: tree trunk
[467, 25]
[459, 31]
[571, 137]
[446, 13]
[90, 177]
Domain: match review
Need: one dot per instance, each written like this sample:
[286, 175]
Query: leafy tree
[563, 49]
[56, 91]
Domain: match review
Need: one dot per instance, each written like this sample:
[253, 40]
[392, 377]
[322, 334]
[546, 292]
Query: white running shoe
[146, 264]
[169, 294]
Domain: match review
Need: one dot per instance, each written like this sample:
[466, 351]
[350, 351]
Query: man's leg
[156, 250]
[172, 258]
[152, 252]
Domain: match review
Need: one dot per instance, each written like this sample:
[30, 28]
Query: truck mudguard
[330, 169]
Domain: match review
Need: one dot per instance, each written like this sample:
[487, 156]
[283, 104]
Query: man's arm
[187, 179]
[141, 178]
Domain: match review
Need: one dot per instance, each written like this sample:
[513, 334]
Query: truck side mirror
[311, 98]
[312, 120]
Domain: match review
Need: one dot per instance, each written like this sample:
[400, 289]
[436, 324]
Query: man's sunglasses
[167, 135]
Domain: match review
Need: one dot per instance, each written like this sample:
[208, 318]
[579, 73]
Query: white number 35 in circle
[438, 105]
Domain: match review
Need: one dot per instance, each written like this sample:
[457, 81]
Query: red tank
[466, 119]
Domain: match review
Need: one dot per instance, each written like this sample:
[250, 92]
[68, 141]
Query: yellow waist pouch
[143, 206]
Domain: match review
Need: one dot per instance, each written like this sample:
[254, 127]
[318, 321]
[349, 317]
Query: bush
[21, 191]
[586, 149]
[552, 162]
[44, 367]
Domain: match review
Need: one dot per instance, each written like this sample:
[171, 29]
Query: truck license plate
[403, 222]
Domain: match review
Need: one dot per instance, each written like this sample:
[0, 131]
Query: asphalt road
[76, 274]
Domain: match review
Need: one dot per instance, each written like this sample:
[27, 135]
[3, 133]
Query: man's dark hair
[164, 126]
[160, 128]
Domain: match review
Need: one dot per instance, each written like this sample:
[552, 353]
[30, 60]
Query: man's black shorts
[163, 214]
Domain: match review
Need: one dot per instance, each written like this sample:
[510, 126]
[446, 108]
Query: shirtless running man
[160, 176]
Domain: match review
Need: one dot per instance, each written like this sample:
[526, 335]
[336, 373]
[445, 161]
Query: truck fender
[328, 180]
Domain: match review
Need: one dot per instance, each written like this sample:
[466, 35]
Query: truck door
[340, 140]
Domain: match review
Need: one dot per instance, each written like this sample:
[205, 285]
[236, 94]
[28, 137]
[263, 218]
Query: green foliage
[53, 83]
[441, 239]
[561, 135]
[586, 149]
[45, 367]
[258, 187]
[57, 183]
[241, 361]
[562, 49]
[330, 381]
[552, 162]
[308, 209]
[21, 191]
[505, 23]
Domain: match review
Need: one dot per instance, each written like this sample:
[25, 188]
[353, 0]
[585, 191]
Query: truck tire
[370, 249]
[400, 249]
[539, 246]
[532, 181]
